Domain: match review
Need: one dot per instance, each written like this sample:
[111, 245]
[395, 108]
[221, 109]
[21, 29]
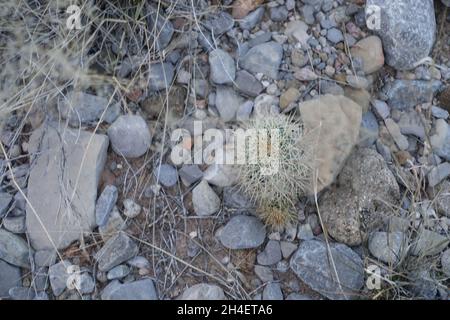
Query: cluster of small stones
[278, 57]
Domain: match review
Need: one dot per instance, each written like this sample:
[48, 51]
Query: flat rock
[443, 150]
[271, 254]
[333, 123]
[219, 23]
[222, 67]
[406, 94]
[312, 265]
[10, 278]
[252, 19]
[14, 249]
[407, 30]
[370, 51]
[388, 247]
[136, 290]
[105, 204]
[15, 224]
[130, 136]
[59, 275]
[243, 232]
[364, 183]
[167, 175]
[429, 243]
[62, 161]
[116, 251]
[438, 173]
[247, 84]
[203, 291]
[160, 76]
[227, 103]
[264, 58]
[5, 200]
[272, 291]
[160, 28]
[205, 200]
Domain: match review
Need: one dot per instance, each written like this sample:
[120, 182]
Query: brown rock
[370, 51]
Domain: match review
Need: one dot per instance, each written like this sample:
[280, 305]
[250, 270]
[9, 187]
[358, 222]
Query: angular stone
[203, 291]
[116, 251]
[438, 173]
[15, 224]
[136, 290]
[333, 124]
[407, 29]
[264, 58]
[272, 291]
[388, 247]
[227, 103]
[271, 254]
[130, 136]
[219, 23]
[248, 84]
[114, 225]
[160, 28]
[205, 200]
[311, 263]
[252, 19]
[59, 275]
[366, 188]
[5, 200]
[105, 204]
[160, 76]
[222, 67]
[62, 187]
[429, 243]
[14, 250]
[190, 174]
[243, 232]
[406, 94]
[10, 278]
[400, 140]
[370, 51]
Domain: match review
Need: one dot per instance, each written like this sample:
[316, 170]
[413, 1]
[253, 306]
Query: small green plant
[275, 193]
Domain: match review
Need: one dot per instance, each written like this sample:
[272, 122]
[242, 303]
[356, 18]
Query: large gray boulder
[63, 182]
[407, 29]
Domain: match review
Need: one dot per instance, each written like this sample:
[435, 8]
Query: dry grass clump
[275, 182]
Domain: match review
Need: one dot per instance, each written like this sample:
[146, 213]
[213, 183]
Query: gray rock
[252, 19]
[243, 232]
[5, 200]
[429, 243]
[423, 286]
[119, 272]
[411, 123]
[381, 109]
[438, 173]
[227, 103]
[394, 130]
[190, 174]
[407, 30]
[445, 262]
[85, 284]
[131, 209]
[40, 279]
[287, 248]
[160, 28]
[221, 175]
[264, 58]
[41, 296]
[271, 254]
[312, 265]
[247, 84]
[44, 258]
[305, 232]
[219, 23]
[265, 274]
[113, 226]
[203, 291]
[388, 247]
[244, 111]
[136, 290]
[278, 14]
[222, 67]
[15, 224]
[444, 150]
[14, 250]
[439, 113]
[139, 262]
[297, 296]
[364, 182]
[117, 250]
[160, 76]
[81, 108]
[236, 200]
[65, 212]
[368, 133]
[308, 14]
[329, 87]
[21, 293]
[335, 35]
[105, 203]
[272, 291]
[59, 275]
[10, 277]
[205, 200]
[406, 94]
[130, 136]
[167, 175]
